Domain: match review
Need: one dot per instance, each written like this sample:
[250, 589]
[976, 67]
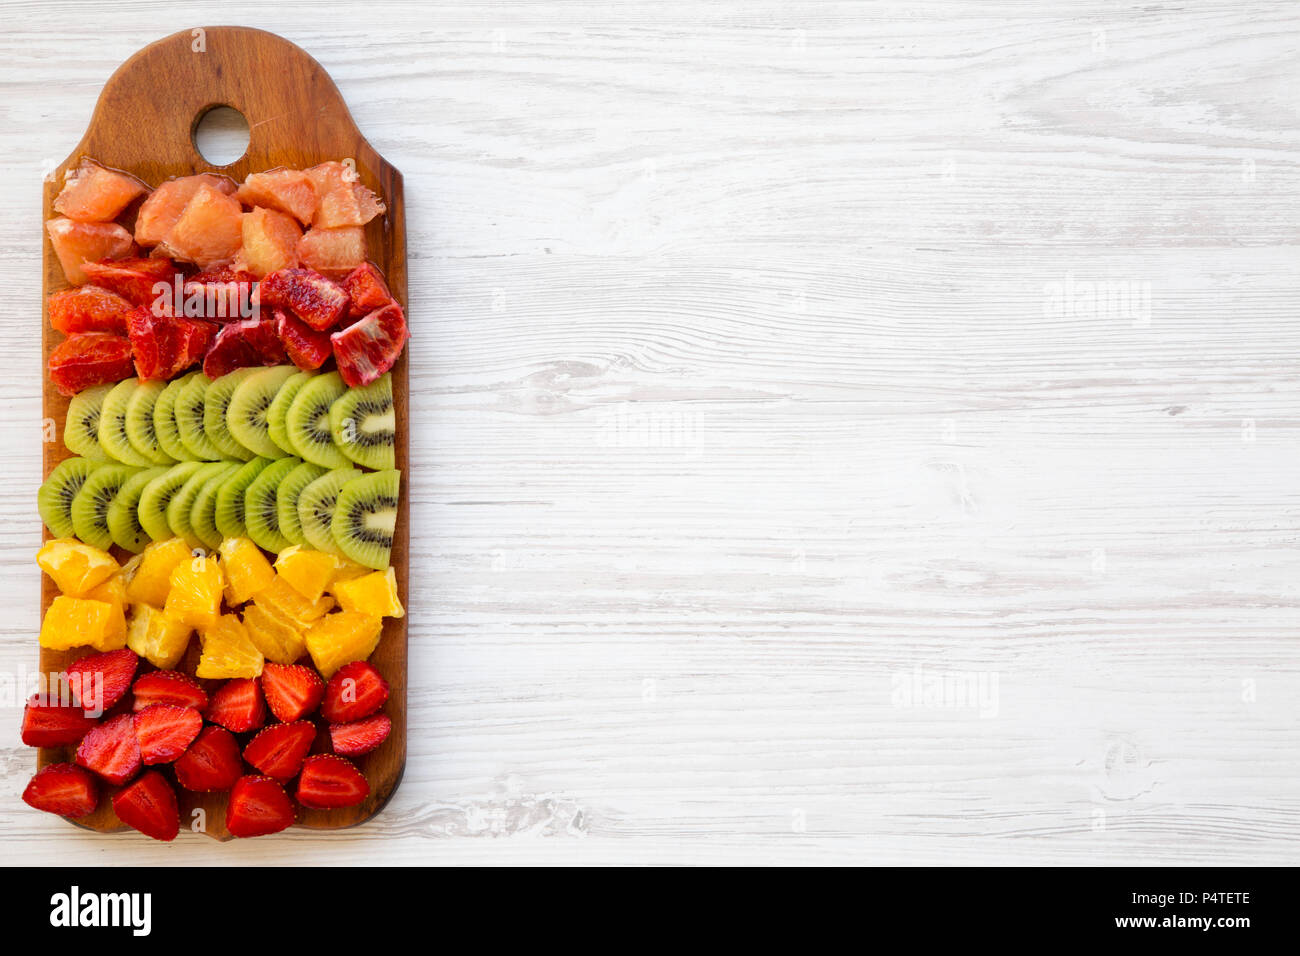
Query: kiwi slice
[112, 425]
[216, 402]
[316, 508]
[365, 518]
[191, 407]
[90, 507]
[164, 421]
[81, 428]
[140, 431]
[261, 509]
[54, 500]
[288, 495]
[229, 514]
[203, 512]
[275, 415]
[250, 402]
[308, 421]
[178, 509]
[158, 494]
[363, 423]
[123, 516]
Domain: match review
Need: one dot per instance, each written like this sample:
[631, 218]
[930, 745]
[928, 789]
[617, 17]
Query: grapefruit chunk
[367, 349]
[310, 296]
[88, 308]
[343, 200]
[92, 193]
[162, 346]
[285, 190]
[245, 344]
[76, 243]
[307, 348]
[333, 252]
[366, 290]
[134, 279]
[209, 231]
[161, 211]
[91, 358]
[222, 294]
[270, 241]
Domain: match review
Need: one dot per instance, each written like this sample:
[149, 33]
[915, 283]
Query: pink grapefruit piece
[209, 231]
[161, 211]
[76, 243]
[333, 252]
[343, 200]
[270, 241]
[94, 193]
[288, 191]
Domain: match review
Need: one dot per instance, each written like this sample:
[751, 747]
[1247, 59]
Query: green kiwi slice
[308, 421]
[279, 410]
[216, 402]
[140, 430]
[158, 495]
[365, 518]
[55, 497]
[178, 509]
[288, 495]
[112, 426]
[191, 407]
[164, 421]
[90, 507]
[229, 514]
[123, 516]
[363, 424]
[261, 506]
[250, 403]
[203, 512]
[316, 508]
[81, 427]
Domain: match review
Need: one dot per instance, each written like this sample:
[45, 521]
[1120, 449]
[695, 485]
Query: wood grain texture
[296, 119]
[746, 381]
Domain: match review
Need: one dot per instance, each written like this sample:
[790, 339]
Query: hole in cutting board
[221, 135]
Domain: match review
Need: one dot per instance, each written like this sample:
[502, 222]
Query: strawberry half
[278, 750]
[307, 294]
[63, 789]
[149, 805]
[49, 723]
[361, 736]
[164, 731]
[237, 705]
[292, 690]
[211, 763]
[111, 750]
[99, 681]
[328, 781]
[257, 806]
[356, 690]
[167, 687]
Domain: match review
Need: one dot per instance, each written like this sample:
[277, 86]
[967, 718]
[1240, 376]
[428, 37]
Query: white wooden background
[755, 367]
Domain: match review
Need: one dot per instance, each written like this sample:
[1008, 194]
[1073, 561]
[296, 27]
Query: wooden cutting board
[144, 124]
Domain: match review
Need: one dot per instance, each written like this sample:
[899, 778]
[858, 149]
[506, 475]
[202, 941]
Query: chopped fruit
[111, 750]
[292, 691]
[329, 781]
[361, 736]
[278, 750]
[113, 593]
[287, 190]
[49, 722]
[374, 593]
[343, 201]
[195, 594]
[237, 705]
[165, 731]
[76, 243]
[245, 344]
[257, 806]
[370, 347]
[90, 358]
[310, 572]
[74, 622]
[212, 762]
[134, 279]
[333, 252]
[228, 651]
[88, 308]
[306, 348]
[167, 687]
[160, 212]
[366, 289]
[157, 636]
[280, 640]
[222, 294]
[152, 578]
[284, 600]
[149, 805]
[356, 691]
[209, 231]
[162, 346]
[247, 570]
[99, 681]
[270, 241]
[77, 569]
[92, 193]
[308, 295]
[62, 788]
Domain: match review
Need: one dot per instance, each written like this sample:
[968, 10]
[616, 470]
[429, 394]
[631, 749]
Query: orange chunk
[157, 636]
[76, 243]
[195, 595]
[279, 640]
[161, 211]
[113, 593]
[77, 568]
[150, 580]
[338, 639]
[374, 594]
[283, 599]
[286, 190]
[209, 231]
[228, 651]
[247, 570]
[270, 242]
[92, 193]
[72, 622]
[333, 252]
[343, 200]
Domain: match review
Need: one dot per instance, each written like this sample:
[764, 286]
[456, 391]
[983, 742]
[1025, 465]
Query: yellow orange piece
[338, 639]
[374, 594]
[113, 593]
[228, 651]
[246, 567]
[76, 568]
[74, 622]
[151, 579]
[310, 572]
[283, 599]
[279, 639]
[157, 636]
[195, 595]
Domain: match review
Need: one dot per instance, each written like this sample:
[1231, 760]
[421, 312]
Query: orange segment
[73, 622]
[310, 572]
[76, 243]
[157, 636]
[247, 570]
[374, 594]
[228, 651]
[151, 580]
[113, 593]
[286, 190]
[161, 211]
[279, 639]
[270, 242]
[283, 599]
[338, 639]
[333, 252]
[76, 568]
[195, 595]
[209, 232]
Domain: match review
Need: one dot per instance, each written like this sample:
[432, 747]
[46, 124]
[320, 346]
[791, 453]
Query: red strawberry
[356, 690]
[90, 358]
[111, 750]
[63, 789]
[167, 687]
[360, 737]
[211, 763]
[278, 750]
[237, 705]
[149, 805]
[99, 681]
[292, 690]
[367, 349]
[366, 289]
[48, 722]
[328, 781]
[306, 348]
[257, 806]
[308, 295]
[165, 730]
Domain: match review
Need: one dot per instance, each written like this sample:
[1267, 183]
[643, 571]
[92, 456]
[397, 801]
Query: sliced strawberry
[237, 705]
[48, 722]
[133, 279]
[308, 295]
[111, 750]
[246, 344]
[88, 308]
[356, 690]
[258, 806]
[361, 736]
[306, 348]
[367, 349]
[366, 289]
[64, 789]
[99, 681]
[278, 750]
[89, 358]
[329, 781]
[167, 687]
[149, 805]
[211, 763]
[164, 731]
[292, 691]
